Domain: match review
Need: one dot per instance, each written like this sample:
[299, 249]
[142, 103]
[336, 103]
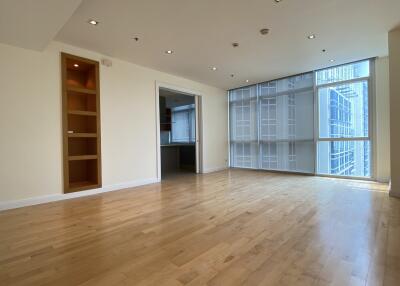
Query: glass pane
[288, 84]
[243, 114]
[341, 73]
[287, 117]
[192, 129]
[244, 155]
[343, 111]
[183, 127]
[180, 126]
[344, 158]
[288, 156]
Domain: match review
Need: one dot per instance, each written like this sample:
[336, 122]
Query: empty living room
[200, 142]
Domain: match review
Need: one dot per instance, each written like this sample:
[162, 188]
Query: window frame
[371, 131]
[251, 141]
[371, 122]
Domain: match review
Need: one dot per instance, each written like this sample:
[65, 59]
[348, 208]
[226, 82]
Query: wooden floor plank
[234, 227]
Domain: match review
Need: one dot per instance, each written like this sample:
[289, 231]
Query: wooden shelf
[82, 112]
[80, 89]
[80, 146]
[82, 135]
[81, 101]
[81, 117]
[82, 157]
[82, 185]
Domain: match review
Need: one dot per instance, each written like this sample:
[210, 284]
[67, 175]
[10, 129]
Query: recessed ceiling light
[135, 38]
[76, 65]
[277, 1]
[247, 80]
[264, 31]
[214, 68]
[311, 37]
[93, 22]
[332, 60]
[235, 45]
[169, 52]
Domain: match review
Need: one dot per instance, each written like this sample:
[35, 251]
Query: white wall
[382, 123]
[394, 68]
[30, 121]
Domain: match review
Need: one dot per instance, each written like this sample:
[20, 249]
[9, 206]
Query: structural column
[394, 67]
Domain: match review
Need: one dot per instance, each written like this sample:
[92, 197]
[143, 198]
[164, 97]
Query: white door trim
[199, 124]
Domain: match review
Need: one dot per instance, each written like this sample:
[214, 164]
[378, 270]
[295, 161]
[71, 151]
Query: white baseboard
[384, 180]
[393, 193]
[59, 197]
[214, 169]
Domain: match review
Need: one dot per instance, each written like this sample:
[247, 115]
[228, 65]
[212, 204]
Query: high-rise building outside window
[343, 111]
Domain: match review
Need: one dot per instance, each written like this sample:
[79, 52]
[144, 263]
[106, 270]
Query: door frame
[199, 124]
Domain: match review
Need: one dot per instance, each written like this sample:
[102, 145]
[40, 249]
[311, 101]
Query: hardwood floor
[227, 228]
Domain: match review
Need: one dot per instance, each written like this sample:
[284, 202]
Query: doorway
[178, 130]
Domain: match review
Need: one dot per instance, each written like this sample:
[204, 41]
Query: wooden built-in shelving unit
[81, 123]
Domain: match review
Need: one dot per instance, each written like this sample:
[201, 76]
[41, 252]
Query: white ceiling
[32, 24]
[201, 33]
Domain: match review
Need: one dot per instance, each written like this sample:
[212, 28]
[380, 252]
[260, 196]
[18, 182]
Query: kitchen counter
[176, 156]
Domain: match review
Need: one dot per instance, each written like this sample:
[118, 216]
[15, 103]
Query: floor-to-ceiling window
[344, 146]
[243, 127]
[272, 124]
